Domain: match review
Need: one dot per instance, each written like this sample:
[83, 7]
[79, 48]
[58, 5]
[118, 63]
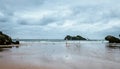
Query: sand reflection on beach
[83, 55]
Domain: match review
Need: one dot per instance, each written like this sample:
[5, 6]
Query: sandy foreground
[80, 64]
[88, 56]
[11, 65]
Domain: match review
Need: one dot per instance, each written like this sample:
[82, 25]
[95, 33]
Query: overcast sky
[47, 19]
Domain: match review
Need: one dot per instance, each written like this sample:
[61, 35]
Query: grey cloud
[47, 20]
[18, 5]
[22, 22]
[3, 20]
[94, 14]
[42, 22]
[112, 31]
[79, 14]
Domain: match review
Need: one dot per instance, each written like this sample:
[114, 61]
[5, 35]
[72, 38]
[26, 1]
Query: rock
[68, 37]
[112, 39]
[6, 40]
[17, 42]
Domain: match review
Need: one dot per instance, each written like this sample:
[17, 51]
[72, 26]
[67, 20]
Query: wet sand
[59, 56]
[71, 65]
[8, 64]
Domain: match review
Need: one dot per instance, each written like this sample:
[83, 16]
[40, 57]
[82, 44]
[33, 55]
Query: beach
[59, 55]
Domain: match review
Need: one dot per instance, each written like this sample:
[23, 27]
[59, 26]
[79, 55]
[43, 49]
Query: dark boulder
[17, 42]
[78, 37]
[112, 39]
[68, 37]
[6, 40]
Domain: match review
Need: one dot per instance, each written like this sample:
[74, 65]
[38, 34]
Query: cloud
[20, 4]
[53, 18]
